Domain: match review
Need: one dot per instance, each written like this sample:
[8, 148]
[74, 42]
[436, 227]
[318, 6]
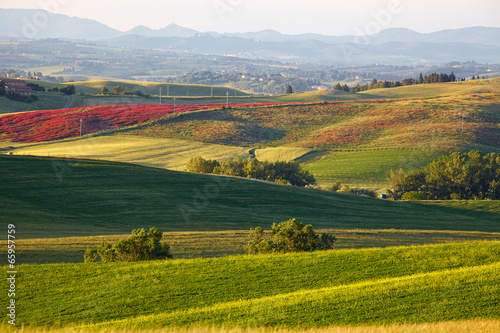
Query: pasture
[65, 197]
[408, 285]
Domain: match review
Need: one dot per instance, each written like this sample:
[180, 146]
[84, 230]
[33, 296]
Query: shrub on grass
[288, 236]
[141, 246]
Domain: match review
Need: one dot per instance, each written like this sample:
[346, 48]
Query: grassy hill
[170, 154]
[367, 169]
[358, 142]
[153, 88]
[62, 198]
[344, 287]
[46, 101]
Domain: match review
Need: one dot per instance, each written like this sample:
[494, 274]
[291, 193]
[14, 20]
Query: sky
[328, 17]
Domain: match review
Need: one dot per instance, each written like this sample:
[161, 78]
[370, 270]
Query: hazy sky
[330, 17]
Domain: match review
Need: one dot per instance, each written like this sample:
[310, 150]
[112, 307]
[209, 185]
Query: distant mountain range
[394, 46]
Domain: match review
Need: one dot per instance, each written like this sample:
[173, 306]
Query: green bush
[68, 89]
[414, 195]
[288, 236]
[464, 176]
[337, 186]
[141, 246]
[363, 191]
[21, 98]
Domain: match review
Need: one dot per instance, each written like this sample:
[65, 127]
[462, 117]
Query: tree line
[280, 172]
[460, 176]
[422, 79]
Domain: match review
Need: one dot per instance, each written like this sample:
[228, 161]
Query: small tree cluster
[35, 87]
[468, 176]
[68, 89]
[200, 165]
[141, 246]
[280, 171]
[21, 98]
[288, 236]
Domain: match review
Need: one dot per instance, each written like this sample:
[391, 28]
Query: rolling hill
[408, 285]
[62, 198]
[357, 140]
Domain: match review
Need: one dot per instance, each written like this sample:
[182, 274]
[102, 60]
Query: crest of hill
[171, 30]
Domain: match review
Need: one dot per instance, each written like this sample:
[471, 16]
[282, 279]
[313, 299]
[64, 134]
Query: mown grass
[367, 169]
[209, 244]
[47, 197]
[370, 286]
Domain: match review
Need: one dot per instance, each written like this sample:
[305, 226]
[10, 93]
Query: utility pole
[160, 95]
[462, 122]
[212, 92]
[227, 95]
[168, 91]
[81, 124]
[174, 105]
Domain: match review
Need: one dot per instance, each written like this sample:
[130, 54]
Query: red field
[60, 124]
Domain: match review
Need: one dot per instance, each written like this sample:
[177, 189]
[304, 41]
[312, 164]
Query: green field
[153, 88]
[63, 198]
[367, 169]
[46, 101]
[321, 289]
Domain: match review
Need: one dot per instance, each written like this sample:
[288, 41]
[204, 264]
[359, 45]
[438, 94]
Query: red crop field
[60, 124]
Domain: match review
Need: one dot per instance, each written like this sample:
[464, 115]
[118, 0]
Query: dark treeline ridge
[422, 79]
[279, 172]
[458, 176]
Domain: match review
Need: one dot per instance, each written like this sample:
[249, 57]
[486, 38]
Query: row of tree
[469, 176]
[422, 79]
[280, 171]
[68, 89]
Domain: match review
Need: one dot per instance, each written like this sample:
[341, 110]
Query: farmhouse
[18, 87]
